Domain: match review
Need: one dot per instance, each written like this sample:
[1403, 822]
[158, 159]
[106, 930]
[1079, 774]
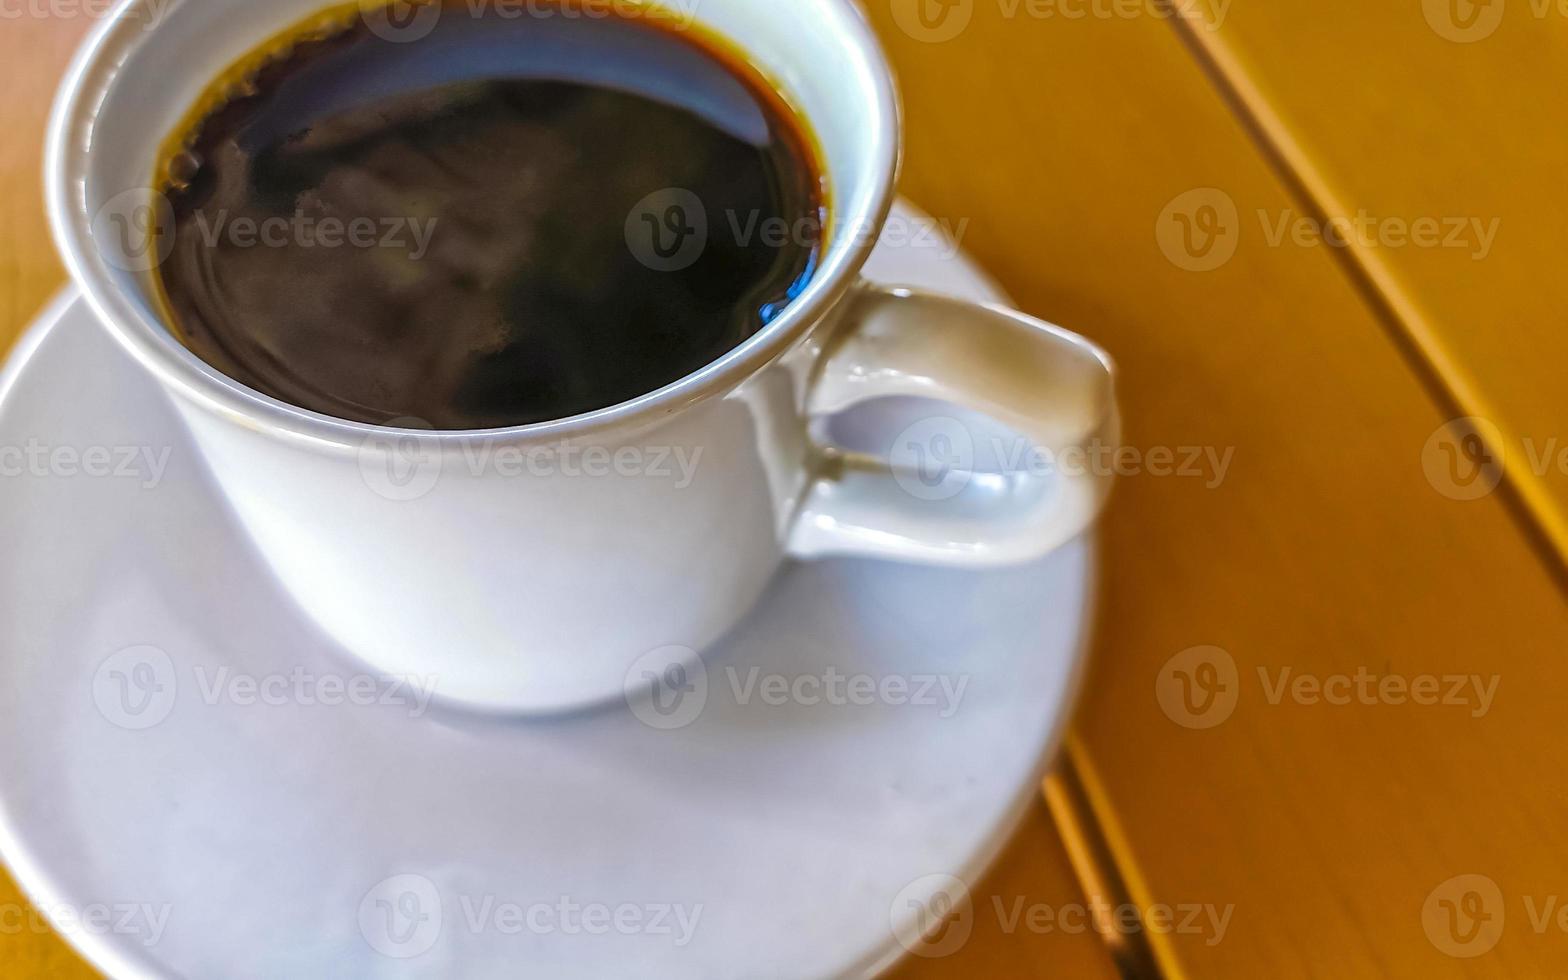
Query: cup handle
[1052, 387]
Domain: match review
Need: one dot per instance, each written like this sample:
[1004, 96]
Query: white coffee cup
[530, 568]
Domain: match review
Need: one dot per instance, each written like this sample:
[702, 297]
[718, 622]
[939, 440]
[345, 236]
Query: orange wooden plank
[1444, 114]
[33, 54]
[1079, 150]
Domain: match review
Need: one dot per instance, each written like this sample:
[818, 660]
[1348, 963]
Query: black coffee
[521, 215]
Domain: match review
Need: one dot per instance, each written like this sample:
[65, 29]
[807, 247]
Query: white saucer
[302, 840]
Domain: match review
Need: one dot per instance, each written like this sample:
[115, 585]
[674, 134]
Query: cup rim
[91, 76]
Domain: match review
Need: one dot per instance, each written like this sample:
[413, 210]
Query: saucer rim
[118, 960]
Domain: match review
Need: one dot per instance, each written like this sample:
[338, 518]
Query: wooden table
[1319, 736]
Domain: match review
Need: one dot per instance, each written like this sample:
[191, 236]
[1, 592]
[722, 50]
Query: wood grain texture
[1445, 111]
[1033, 872]
[33, 54]
[1076, 146]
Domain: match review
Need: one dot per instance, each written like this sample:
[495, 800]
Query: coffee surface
[510, 219]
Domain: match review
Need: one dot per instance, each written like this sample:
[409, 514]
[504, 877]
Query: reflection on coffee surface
[511, 218]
